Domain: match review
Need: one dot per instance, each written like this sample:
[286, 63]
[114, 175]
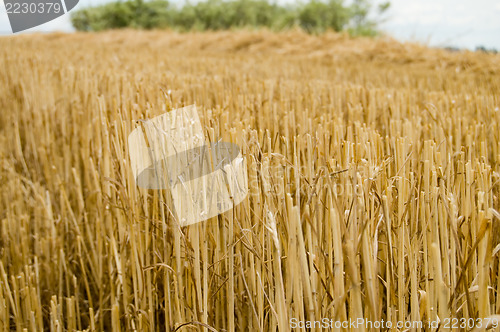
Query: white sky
[458, 23]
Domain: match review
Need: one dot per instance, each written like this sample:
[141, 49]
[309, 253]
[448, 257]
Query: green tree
[116, 15]
[361, 24]
[318, 16]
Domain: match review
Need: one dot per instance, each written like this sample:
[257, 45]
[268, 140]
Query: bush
[315, 16]
[318, 16]
[116, 15]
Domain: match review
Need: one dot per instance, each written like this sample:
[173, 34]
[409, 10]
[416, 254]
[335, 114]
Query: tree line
[315, 16]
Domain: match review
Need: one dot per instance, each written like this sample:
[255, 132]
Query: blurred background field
[374, 170]
[443, 23]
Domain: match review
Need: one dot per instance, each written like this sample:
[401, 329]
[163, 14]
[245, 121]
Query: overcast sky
[459, 23]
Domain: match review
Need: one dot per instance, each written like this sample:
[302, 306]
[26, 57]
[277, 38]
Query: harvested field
[373, 168]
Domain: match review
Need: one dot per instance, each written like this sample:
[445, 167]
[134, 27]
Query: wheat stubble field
[374, 172]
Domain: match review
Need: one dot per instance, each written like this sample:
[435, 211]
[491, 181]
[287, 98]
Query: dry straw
[374, 171]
